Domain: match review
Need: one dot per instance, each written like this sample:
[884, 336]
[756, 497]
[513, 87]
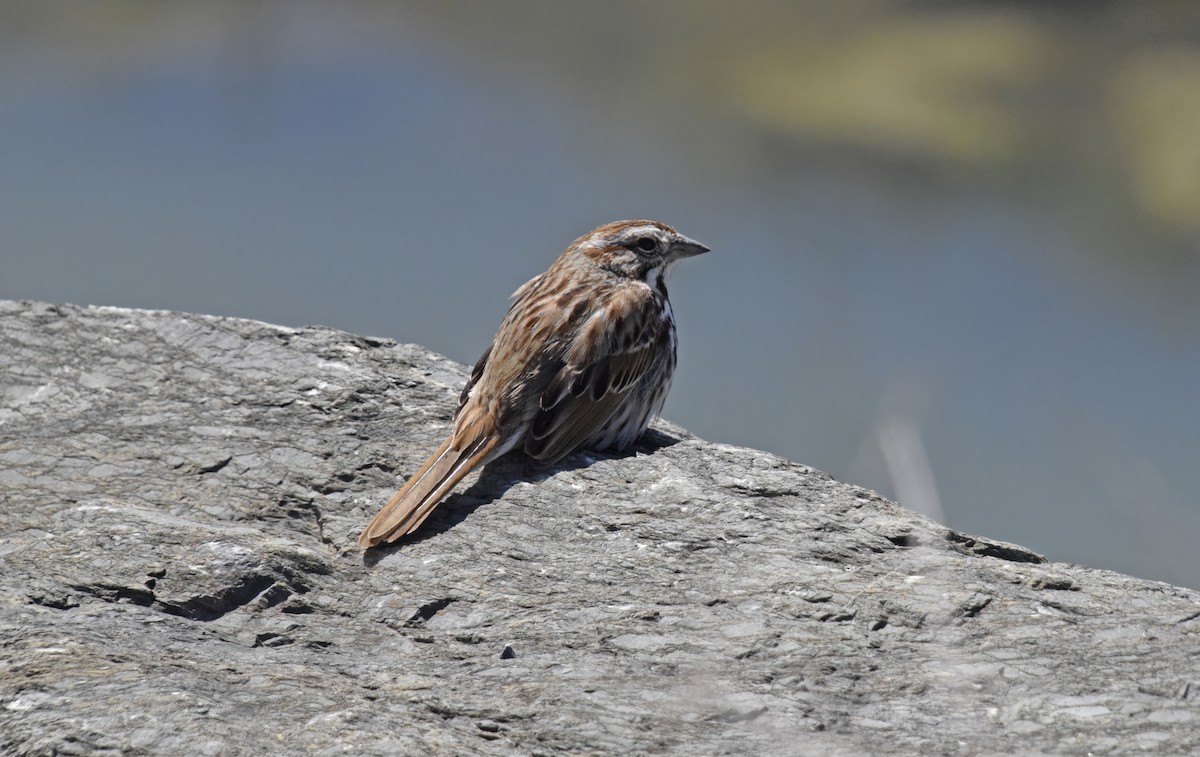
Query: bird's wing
[476, 374]
[610, 354]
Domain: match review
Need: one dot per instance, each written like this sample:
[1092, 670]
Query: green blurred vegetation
[1154, 102]
[1095, 99]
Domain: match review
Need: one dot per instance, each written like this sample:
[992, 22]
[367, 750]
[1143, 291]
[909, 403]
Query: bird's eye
[646, 244]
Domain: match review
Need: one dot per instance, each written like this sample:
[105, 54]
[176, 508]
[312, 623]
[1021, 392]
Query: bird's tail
[409, 507]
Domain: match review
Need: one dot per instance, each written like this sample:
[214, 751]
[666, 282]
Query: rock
[181, 496]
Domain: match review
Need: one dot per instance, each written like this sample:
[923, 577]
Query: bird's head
[642, 250]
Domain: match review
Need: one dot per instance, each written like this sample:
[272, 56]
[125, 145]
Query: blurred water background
[956, 244]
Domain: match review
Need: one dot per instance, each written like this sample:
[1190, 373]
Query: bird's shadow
[500, 475]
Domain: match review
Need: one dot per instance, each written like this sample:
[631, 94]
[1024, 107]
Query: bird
[583, 359]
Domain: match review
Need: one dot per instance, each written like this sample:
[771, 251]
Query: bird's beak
[683, 247]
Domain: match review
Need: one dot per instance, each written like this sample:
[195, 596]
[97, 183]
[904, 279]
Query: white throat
[659, 271]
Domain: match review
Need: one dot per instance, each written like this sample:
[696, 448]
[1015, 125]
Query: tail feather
[409, 507]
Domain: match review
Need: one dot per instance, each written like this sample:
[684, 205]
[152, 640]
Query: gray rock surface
[180, 498]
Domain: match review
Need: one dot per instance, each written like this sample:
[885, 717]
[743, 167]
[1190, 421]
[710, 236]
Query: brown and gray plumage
[582, 360]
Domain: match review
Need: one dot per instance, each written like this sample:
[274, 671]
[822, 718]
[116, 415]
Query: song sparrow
[583, 359]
